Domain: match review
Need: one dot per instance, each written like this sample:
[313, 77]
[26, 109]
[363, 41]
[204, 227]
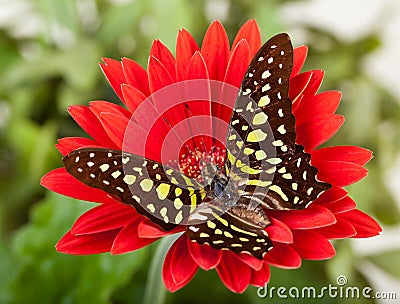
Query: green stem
[155, 291]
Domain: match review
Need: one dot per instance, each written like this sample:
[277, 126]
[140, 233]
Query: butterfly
[264, 168]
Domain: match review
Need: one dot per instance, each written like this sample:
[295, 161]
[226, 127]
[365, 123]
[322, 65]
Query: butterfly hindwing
[164, 195]
[232, 231]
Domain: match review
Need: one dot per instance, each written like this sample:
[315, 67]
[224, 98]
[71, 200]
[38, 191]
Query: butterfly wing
[164, 195]
[261, 144]
[234, 231]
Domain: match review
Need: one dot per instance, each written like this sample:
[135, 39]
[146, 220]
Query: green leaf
[42, 273]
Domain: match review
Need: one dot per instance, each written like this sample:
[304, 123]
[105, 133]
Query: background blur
[49, 54]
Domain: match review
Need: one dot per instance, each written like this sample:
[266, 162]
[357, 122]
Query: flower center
[190, 161]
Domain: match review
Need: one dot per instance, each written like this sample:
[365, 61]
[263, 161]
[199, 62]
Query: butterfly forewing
[262, 123]
[164, 195]
[263, 118]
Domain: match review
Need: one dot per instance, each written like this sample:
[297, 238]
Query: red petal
[342, 205]
[204, 255]
[297, 86]
[314, 216]
[333, 194]
[251, 33]
[197, 68]
[115, 126]
[128, 239]
[340, 173]
[351, 154]
[322, 104]
[147, 229]
[314, 84]
[164, 55]
[86, 244]
[88, 121]
[133, 97]
[312, 246]
[186, 46]
[159, 77]
[179, 267]
[136, 75]
[215, 50]
[251, 261]
[317, 130]
[261, 277]
[283, 256]
[234, 273]
[238, 64]
[279, 232]
[112, 69]
[103, 218]
[68, 144]
[342, 229]
[60, 181]
[100, 106]
[365, 225]
[299, 57]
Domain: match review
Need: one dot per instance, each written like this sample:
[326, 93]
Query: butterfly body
[264, 168]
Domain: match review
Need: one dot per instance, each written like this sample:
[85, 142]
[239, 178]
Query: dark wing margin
[164, 195]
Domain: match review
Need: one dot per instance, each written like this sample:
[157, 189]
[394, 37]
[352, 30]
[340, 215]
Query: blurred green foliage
[57, 66]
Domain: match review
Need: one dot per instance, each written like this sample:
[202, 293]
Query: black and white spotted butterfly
[261, 122]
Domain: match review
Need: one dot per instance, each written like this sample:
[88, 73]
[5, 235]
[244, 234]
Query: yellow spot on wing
[243, 231]
[129, 179]
[187, 180]
[279, 191]
[178, 191]
[178, 203]
[193, 202]
[256, 182]
[260, 118]
[256, 136]
[247, 169]
[211, 225]
[163, 190]
[260, 155]
[178, 217]
[231, 158]
[146, 184]
[223, 221]
[228, 234]
[248, 151]
[264, 101]
[163, 211]
[104, 167]
[151, 208]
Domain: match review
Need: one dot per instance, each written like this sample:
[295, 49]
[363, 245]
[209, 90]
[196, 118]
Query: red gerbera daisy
[296, 234]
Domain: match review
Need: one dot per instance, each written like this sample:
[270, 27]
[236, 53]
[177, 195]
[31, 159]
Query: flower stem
[155, 291]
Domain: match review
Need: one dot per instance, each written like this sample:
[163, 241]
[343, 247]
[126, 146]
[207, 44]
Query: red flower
[296, 234]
